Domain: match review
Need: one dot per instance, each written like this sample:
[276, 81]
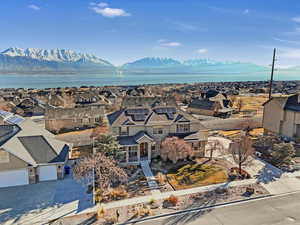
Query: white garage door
[47, 173]
[14, 177]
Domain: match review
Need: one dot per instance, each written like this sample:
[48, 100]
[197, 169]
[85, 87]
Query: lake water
[57, 80]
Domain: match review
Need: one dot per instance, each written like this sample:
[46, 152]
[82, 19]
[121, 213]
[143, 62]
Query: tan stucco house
[141, 129]
[29, 153]
[282, 116]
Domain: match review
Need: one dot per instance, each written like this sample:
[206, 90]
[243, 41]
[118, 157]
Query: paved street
[32, 204]
[280, 210]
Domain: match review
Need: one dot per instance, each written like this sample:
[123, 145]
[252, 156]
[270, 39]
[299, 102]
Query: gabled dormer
[181, 119]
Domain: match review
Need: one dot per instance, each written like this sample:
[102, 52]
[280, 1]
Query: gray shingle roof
[292, 103]
[133, 140]
[140, 134]
[155, 116]
[114, 116]
[202, 104]
[126, 140]
[38, 148]
[28, 128]
[286, 102]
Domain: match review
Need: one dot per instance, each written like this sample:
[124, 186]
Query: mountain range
[168, 65]
[32, 60]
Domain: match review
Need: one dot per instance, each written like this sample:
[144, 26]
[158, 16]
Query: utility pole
[272, 74]
[94, 189]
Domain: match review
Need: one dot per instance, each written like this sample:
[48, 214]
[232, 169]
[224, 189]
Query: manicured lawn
[195, 175]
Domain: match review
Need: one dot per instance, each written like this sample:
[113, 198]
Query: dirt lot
[249, 105]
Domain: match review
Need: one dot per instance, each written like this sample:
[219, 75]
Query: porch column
[127, 154]
[149, 151]
[139, 153]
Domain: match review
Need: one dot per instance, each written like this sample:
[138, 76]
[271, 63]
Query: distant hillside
[42, 61]
[31, 60]
[168, 65]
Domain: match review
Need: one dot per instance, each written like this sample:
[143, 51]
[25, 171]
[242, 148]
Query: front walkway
[150, 177]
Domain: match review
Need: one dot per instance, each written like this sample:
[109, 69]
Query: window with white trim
[183, 128]
[123, 131]
[158, 130]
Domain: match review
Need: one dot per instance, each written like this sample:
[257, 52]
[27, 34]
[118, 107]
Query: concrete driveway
[38, 203]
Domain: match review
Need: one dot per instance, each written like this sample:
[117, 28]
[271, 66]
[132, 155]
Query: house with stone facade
[29, 153]
[140, 129]
[282, 116]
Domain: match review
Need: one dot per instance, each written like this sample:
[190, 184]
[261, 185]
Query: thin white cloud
[202, 51]
[103, 9]
[296, 19]
[34, 7]
[102, 4]
[185, 27]
[166, 43]
[161, 40]
[246, 11]
[286, 41]
[289, 53]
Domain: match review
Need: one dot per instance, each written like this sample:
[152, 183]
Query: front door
[144, 151]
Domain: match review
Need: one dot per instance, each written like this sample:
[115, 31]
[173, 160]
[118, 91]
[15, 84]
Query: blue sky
[125, 30]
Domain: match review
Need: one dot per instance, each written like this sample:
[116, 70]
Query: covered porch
[134, 149]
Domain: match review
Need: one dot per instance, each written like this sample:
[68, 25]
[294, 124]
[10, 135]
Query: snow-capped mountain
[43, 61]
[57, 55]
[54, 60]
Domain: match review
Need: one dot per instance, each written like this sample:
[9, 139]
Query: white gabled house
[29, 153]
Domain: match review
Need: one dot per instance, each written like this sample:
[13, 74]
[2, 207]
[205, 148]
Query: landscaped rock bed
[138, 186]
[173, 203]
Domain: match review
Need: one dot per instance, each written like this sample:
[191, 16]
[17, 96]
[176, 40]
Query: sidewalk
[163, 195]
[150, 177]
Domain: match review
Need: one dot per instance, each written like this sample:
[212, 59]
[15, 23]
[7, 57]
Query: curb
[198, 208]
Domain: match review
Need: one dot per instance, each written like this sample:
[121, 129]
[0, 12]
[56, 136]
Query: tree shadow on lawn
[199, 200]
[268, 174]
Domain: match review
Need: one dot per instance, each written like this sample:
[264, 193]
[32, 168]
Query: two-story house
[282, 116]
[211, 103]
[140, 131]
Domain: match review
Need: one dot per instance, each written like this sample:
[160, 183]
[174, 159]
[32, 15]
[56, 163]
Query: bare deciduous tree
[174, 149]
[239, 104]
[241, 149]
[214, 145]
[104, 169]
